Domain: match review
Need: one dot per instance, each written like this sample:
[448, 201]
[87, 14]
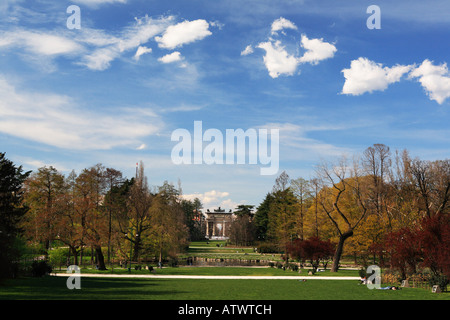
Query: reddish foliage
[435, 240]
[428, 245]
[312, 249]
[404, 249]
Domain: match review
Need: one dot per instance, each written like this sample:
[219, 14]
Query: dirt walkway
[141, 276]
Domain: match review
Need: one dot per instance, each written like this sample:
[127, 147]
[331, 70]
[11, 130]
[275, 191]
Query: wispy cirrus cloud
[248, 50]
[130, 39]
[96, 49]
[141, 51]
[98, 3]
[40, 43]
[295, 137]
[59, 121]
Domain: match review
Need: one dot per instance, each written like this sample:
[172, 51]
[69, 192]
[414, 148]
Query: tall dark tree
[44, 192]
[168, 228]
[139, 202]
[242, 231]
[283, 221]
[113, 179]
[194, 219]
[11, 212]
[90, 187]
[244, 210]
[302, 190]
[262, 218]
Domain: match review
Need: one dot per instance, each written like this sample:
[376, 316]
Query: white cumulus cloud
[183, 33]
[316, 50]
[277, 60]
[171, 57]
[434, 79]
[282, 61]
[365, 75]
[282, 23]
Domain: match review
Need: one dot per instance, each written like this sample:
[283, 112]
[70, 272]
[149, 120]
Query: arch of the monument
[218, 224]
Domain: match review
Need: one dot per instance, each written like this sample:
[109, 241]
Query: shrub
[390, 278]
[266, 247]
[40, 268]
[173, 262]
[362, 272]
[58, 257]
[440, 280]
[293, 267]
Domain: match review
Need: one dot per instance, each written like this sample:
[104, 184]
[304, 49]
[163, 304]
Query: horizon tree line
[359, 204]
[100, 208]
[362, 206]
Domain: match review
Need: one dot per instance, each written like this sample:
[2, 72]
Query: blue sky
[113, 91]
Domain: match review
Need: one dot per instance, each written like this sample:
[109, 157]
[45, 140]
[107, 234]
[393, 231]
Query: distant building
[218, 224]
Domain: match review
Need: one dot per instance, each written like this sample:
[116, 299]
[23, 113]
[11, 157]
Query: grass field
[223, 271]
[54, 288]
[219, 250]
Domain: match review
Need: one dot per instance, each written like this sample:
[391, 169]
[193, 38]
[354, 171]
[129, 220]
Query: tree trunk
[75, 255]
[339, 249]
[109, 237]
[137, 248]
[100, 258]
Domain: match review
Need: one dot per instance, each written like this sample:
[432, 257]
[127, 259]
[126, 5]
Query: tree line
[378, 205]
[97, 212]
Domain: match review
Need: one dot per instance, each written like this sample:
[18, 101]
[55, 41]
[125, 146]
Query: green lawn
[54, 288]
[218, 250]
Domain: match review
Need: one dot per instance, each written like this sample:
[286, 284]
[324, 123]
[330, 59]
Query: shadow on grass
[54, 288]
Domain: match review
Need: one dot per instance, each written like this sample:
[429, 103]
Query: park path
[141, 276]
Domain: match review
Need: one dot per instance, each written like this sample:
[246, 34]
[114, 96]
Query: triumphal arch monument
[218, 224]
